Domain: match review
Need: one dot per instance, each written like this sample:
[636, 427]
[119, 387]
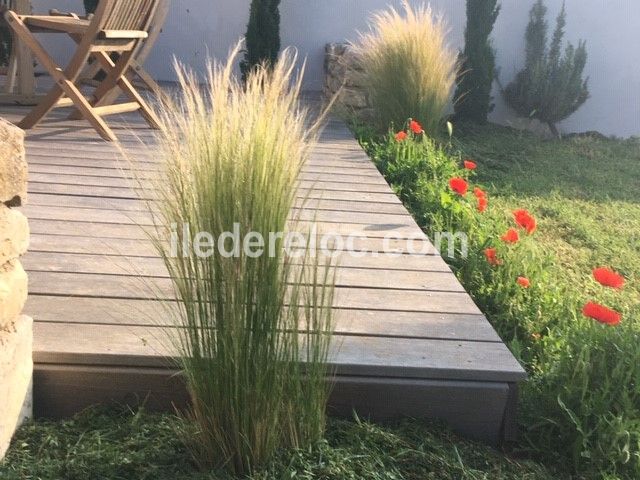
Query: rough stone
[343, 78]
[16, 371]
[14, 234]
[13, 166]
[354, 98]
[13, 292]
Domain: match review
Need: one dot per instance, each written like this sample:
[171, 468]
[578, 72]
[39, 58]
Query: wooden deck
[409, 340]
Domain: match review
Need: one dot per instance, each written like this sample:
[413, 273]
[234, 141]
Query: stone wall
[341, 78]
[16, 336]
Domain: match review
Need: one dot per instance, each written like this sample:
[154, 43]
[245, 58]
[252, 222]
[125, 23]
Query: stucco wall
[200, 27]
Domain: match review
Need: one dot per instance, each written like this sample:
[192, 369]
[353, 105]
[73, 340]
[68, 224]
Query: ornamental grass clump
[232, 153]
[408, 69]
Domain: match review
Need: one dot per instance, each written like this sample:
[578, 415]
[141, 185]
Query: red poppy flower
[470, 165]
[415, 127]
[601, 313]
[459, 185]
[511, 236]
[608, 277]
[483, 203]
[523, 282]
[492, 256]
[401, 135]
[525, 220]
[479, 193]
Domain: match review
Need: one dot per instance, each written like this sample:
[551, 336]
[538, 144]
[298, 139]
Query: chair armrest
[54, 12]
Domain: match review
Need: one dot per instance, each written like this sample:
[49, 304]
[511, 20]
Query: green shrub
[263, 35]
[232, 155]
[584, 405]
[408, 69]
[473, 94]
[551, 85]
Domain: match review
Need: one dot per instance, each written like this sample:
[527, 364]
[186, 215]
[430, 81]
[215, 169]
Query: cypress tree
[263, 35]
[473, 94]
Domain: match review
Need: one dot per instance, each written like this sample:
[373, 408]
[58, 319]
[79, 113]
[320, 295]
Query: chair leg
[136, 70]
[145, 110]
[126, 86]
[107, 91]
[84, 107]
[38, 112]
[64, 82]
[145, 78]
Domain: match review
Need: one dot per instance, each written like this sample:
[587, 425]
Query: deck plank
[351, 355]
[154, 267]
[348, 296]
[111, 311]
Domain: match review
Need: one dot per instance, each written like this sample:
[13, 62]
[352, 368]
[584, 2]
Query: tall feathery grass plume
[407, 67]
[254, 316]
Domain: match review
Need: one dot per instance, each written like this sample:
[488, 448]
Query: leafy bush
[473, 94]
[582, 404]
[408, 69]
[263, 35]
[232, 155]
[551, 85]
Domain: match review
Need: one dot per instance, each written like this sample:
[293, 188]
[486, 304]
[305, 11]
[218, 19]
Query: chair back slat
[129, 14]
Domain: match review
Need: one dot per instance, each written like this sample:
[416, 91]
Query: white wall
[197, 28]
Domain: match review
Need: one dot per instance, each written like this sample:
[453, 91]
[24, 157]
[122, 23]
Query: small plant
[551, 86]
[408, 69]
[473, 94]
[262, 37]
[254, 326]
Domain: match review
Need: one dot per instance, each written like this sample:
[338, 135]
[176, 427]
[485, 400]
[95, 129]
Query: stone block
[354, 98]
[344, 74]
[16, 370]
[14, 234]
[13, 292]
[13, 165]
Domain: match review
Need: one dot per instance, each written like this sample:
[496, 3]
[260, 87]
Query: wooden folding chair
[137, 74]
[118, 26]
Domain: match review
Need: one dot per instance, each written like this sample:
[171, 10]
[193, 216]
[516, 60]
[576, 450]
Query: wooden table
[20, 84]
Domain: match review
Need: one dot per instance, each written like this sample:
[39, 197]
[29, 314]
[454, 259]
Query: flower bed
[580, 344]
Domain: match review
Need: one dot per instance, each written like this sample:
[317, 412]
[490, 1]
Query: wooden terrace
[409, 340]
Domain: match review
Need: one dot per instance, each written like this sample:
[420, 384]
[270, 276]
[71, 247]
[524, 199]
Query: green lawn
[585, 192]
[109, 445]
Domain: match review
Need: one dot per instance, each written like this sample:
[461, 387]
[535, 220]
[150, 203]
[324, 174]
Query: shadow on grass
[583, 168]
